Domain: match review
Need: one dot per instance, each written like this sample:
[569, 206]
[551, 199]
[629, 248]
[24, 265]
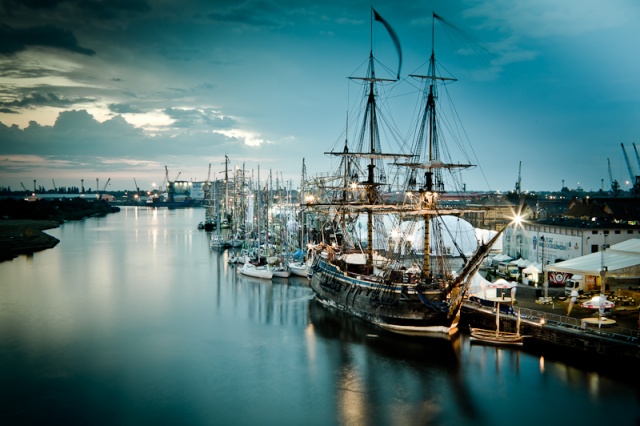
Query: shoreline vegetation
[23, 222]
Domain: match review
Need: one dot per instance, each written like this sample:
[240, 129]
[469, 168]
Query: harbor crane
[519, 181]
[615, 186]
[169, 184]
[54, 185]
[634, 179]
[103, 189]
[636, 151]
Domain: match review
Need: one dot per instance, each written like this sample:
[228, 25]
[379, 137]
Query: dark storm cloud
[14, 40]
[101, 9]
[34, 100]
[78, 133]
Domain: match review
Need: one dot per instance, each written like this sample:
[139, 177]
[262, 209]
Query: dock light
[543, 321]
[517, 219]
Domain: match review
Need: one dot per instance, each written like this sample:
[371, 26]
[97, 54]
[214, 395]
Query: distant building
[586, 227]
[180, 190]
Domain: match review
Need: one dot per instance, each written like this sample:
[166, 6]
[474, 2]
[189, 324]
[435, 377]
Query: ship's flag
[393, 36]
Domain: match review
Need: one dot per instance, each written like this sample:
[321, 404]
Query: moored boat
[498, 337]
[251, 270]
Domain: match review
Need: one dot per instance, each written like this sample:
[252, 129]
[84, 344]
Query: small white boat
[300, 269]
[217, 241]
[251, 270]
[281, 271]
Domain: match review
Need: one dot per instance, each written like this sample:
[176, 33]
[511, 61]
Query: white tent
[456, 233]
[621, 259]
[484, 289]
[501, 258]
[502, 283]
[534, 268]
[478, 285]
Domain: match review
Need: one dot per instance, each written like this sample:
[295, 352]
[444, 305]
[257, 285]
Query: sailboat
[384, 278]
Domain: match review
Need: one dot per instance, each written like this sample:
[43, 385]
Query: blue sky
[119, 89]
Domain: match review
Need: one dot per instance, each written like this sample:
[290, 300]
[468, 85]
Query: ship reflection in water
[386, 378]
[133, 319]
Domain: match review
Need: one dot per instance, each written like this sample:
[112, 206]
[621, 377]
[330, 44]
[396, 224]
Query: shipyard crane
[634, 179]
[54, 185]
[104, 188]
[519, 181]
[628, 163]
[23, 187]
[137, 194]
[637, 156]
[615, 186]
[169, 184]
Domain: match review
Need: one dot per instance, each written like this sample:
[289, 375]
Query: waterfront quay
[550, 329]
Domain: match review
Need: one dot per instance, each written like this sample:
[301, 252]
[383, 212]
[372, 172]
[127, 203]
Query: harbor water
[132, 319]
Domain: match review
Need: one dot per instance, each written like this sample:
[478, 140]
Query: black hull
[392, 307]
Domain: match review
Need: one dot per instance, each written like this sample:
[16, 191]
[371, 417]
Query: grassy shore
[23, 222]
[20, 236]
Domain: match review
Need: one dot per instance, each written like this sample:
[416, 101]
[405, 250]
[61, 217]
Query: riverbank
[23, 222]
[25, 237]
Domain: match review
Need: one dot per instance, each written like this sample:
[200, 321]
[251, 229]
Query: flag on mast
[393, 36]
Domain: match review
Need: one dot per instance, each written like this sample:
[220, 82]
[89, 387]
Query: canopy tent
[485, 235]
[521, 263]
[458, 235]
[500, 258]
[531, 274]
[484, 289]
[502, 283]
[534, 268]
[478, 285]
[598, 302]
[621, 259]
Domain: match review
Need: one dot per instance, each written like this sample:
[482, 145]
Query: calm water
[132, 319]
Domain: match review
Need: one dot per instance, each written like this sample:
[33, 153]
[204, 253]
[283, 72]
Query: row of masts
[245, 204]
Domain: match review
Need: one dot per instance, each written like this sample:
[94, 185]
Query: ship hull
[395, 307]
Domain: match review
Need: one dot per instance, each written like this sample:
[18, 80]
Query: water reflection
[133, 319]
[384, 378]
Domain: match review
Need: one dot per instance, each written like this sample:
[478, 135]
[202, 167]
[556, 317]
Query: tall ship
[382, 219]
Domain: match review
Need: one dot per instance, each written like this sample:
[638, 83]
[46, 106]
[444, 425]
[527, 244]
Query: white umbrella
[598, 302]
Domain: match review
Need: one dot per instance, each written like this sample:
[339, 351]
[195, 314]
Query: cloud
[14, 40]
[251, 14]
[100, 9]
[124, 109]
[551, 18]
[194, 118]
[250, 138]
[35, 100]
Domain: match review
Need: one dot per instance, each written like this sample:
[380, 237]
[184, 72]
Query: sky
[119, 89]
